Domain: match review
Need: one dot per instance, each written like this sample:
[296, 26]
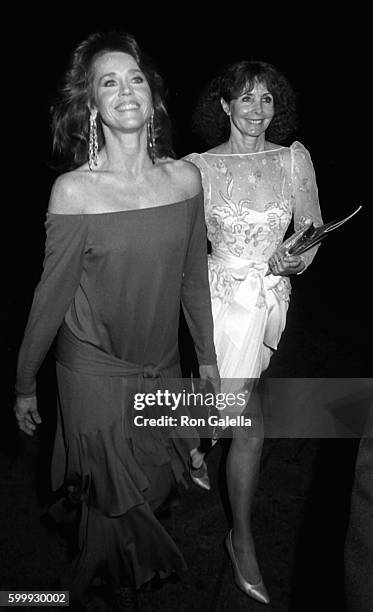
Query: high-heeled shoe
[200, 475]
[257, 591]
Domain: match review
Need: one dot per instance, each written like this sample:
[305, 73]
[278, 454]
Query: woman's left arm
[306, 205]
[195, 291]
[306, 208]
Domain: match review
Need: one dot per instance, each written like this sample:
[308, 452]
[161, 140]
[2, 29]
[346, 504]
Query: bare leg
[243, 464]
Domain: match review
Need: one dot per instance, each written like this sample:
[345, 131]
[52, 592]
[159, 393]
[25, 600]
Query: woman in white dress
[253, 189]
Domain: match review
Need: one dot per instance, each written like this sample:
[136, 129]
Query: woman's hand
[27, 415]
[210, 373]
[281, 264]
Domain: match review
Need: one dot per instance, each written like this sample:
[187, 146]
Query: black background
[326, 58]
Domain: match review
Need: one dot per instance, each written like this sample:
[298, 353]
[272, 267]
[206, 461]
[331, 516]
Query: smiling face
[252, 112]
[121, 94]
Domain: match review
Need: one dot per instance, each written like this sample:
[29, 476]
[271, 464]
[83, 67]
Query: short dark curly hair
[70, 113]
[211, 123]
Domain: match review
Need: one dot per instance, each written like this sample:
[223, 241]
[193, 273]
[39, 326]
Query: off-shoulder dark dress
[111, 289]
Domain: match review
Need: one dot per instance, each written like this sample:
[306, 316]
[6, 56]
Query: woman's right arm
[63, 262]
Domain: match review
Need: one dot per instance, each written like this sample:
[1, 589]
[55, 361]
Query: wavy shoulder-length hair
[211, 123]
[70, 113]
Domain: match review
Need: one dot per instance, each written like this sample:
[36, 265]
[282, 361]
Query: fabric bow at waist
[244, 286]
[89, 359]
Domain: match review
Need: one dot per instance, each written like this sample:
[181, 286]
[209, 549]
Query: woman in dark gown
[125, 247]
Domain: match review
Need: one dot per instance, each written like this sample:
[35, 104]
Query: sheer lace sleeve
[305, 200]
[197, 160]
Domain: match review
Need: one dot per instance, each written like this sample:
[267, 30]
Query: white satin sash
[255, 290]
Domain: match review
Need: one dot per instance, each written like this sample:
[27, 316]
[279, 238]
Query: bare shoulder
[68, 193]
[188, 172]
[185, 175]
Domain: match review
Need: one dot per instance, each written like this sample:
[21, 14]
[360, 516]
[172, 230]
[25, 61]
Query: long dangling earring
[93, 142]
[151, 137]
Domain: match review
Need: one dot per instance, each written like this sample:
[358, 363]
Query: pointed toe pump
[257, 591]
[200, 476]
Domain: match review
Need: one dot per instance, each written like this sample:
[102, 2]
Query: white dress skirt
[249, 309]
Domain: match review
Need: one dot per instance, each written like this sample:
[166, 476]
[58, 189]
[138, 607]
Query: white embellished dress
[250, 200]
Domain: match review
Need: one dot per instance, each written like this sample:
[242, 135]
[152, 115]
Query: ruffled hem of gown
[136, 561]
[121, 479]
[104, 472]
